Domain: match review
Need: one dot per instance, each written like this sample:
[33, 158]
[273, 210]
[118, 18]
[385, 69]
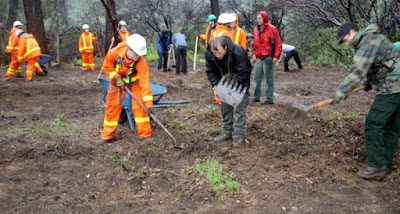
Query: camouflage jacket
[375, 61]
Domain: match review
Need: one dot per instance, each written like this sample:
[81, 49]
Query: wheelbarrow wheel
[123, 117]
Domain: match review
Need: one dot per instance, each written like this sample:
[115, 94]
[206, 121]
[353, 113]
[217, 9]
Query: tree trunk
[57, 31]
[215, 7]
[12, 13]
[34, 22]
[109, 32]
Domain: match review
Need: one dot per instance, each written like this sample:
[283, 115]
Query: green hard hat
[211, 17]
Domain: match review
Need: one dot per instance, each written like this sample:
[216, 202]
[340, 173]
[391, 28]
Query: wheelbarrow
[158, 93]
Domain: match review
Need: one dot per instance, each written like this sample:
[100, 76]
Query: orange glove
[217, 100]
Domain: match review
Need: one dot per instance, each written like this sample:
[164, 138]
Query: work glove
[119, 82]
[217, 100]
[367, 86]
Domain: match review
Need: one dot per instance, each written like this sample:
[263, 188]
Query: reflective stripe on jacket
[28, 48]
[86, 42]
[12, 45]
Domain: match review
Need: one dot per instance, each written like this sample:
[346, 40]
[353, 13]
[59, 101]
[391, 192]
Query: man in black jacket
[224, 58]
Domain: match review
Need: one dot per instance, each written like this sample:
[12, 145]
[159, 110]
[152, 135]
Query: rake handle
[330, 100]
[152, 116]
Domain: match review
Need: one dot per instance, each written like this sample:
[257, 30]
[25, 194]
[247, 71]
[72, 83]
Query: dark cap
[344, 29]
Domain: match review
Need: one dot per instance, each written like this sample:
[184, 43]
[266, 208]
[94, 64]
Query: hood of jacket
[373, 28]
[265, 16]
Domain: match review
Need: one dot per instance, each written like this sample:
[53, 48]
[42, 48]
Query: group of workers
[376, 64]
[23, 47]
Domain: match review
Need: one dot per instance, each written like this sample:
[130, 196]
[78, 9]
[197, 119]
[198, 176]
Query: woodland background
[310, 25]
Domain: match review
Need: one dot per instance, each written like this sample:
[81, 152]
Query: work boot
[256, 101]
[102, 141]
[266, 102]
[222, 137]
[237, 142]
[373, 172]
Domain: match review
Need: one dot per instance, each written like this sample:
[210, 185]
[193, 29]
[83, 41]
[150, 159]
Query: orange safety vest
[28, 48]
[239, 37]
[220, 30]
[86, 42]
[117, 65]
[12, 46]
[206, 36]
[124, 35]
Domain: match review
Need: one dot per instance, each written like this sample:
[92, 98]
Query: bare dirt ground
[49, 162]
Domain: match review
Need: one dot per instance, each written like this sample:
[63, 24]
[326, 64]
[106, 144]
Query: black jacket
[235, 63]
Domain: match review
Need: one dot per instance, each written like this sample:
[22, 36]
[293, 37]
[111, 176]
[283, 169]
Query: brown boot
[102, 141]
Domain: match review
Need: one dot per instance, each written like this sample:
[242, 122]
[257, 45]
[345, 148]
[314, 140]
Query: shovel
[299, 111]
[180, 146]
[230, 92]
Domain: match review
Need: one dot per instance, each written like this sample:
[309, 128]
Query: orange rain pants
[32, 65]
[14, 68]
[87, 61]
[114, 108]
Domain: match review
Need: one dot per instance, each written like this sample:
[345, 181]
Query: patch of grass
[172, 110]
[353, 115]
[12, 132]
[220, 182]
[60, 120]
[179, 126]
[120, 160]
[316, 148]
[330, 115]
[180, 195]
[258, 115]
[212, 111]
[56, 127]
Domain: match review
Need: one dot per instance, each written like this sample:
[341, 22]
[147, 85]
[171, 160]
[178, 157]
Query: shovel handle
[330, 100]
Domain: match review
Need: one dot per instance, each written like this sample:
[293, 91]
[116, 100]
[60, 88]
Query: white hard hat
[17, 23]
[226, 18]
[85, 26]
[137, 43]
[122, 22]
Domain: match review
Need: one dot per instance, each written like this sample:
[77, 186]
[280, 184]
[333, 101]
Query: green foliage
[220, 183]
[60, 120]
[353, 115]
[321, 49]
[12, 132]
[152, 54]
[120, 160]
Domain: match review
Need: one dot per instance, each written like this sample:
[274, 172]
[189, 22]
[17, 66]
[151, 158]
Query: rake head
[230, 91]
[297, 110]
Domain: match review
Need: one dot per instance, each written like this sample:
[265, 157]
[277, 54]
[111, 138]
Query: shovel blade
[230, 92]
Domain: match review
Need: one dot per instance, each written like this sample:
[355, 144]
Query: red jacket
[262, 40]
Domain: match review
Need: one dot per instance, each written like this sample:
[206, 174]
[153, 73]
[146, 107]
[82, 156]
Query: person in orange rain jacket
[238, 35]
[212, 23]
[122, 31]
[29, 51]
[125, 65]
[86, 48]
[12, 48]
[223, 25]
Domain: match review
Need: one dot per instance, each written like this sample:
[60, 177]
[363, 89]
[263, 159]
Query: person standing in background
[180, 44]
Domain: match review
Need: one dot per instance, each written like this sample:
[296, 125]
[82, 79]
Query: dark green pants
[234, 119]
[264, 68]
[382, 130]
